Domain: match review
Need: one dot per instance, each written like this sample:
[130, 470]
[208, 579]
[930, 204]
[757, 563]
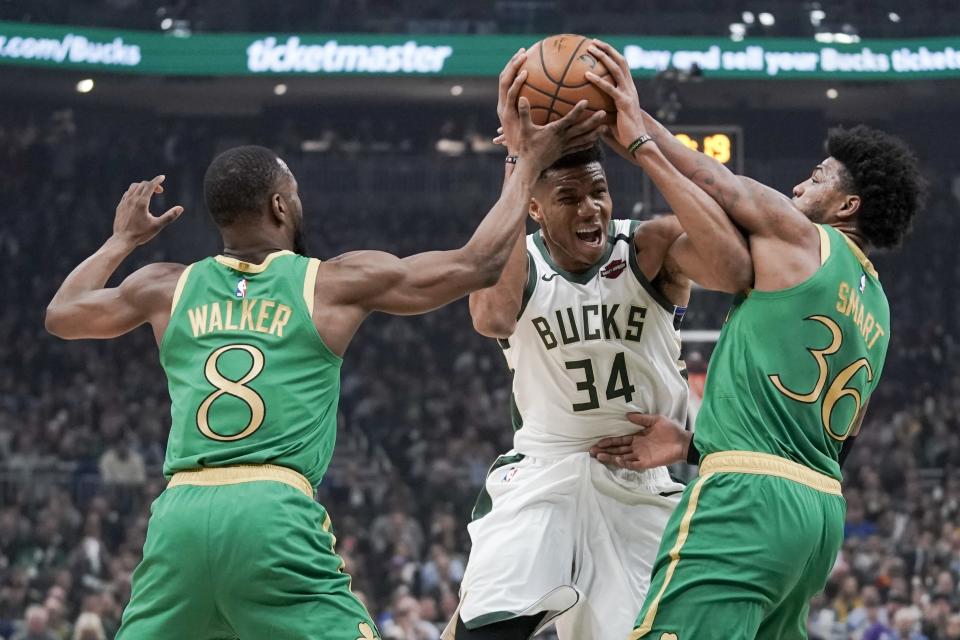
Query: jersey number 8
[235, 388]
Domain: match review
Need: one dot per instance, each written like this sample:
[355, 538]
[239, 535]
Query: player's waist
[241, 473]
[766, 464]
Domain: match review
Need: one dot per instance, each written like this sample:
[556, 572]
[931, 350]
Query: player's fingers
[616, 451]
[613, 441]
[514, 89]
[510, 71]
[499, 129]
[606, 458]
[642, 419]
[169, 216]
[591, 125]
[611, 52]
[501, 140]
[573, 116]
[523, 109]
[142, 188]
[155, 185]
[601, 83]
[617, 71]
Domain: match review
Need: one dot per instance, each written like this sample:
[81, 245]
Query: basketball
[556, 80]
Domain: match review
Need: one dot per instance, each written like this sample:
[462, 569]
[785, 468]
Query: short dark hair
[576, 159]
[239, 182]
[884, 172]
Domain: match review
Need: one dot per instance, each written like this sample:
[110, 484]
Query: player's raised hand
[511, 79]
[629, 125]
[134, 223]
[661, 442]
[541, 146]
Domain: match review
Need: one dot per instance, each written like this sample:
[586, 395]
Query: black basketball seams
[549, 95]
[583, 84]
[543, 65]
[566, 69]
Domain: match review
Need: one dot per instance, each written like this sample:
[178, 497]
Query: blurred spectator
[406, 623]
[121, 464]
[35, 625]
[425, 401]
[88, 627]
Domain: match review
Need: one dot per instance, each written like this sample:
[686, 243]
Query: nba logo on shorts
[241, 288]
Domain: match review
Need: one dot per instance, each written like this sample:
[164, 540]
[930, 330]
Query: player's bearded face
[818, 196]
[574, 209]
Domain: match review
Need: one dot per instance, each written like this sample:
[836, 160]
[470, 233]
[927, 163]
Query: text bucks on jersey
[590, 347]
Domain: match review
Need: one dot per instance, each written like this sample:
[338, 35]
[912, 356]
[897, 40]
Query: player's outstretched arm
[376, 281]
[660, 442]
[754, 207]
[83, 308]
[494, 310]
[720, 247]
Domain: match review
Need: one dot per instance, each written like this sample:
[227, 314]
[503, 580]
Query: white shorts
[569, 536]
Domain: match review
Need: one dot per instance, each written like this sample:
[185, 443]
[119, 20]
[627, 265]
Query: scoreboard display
[722, 143]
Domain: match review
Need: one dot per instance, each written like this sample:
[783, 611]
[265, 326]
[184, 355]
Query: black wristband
[693, 454]
[639, 142]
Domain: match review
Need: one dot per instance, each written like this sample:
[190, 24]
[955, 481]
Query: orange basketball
[555, 69]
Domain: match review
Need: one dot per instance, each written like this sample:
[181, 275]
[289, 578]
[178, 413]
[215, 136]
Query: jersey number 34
[618, 384]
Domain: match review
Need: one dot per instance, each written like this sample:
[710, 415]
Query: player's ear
[850, 205]
[278, 208]
[535, 211]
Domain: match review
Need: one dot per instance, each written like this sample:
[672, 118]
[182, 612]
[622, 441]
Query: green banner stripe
[233, 54]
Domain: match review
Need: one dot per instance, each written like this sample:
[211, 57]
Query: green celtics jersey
[251, 381]
[793, 368]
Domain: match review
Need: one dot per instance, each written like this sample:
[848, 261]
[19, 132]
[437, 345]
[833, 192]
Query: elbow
[494, 327]
[489, 277]
[53, 322]
[486, 271]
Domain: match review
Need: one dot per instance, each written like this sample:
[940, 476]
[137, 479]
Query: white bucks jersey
[590, 347]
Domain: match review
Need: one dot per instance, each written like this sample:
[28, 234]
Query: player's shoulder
[362, 263]
[663, 228]
[154, 285]
[355, 275]
[157, 274]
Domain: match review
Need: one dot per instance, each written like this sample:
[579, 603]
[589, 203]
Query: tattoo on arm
[705, 178]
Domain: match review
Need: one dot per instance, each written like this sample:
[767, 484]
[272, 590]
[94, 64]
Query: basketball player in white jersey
[587, 312]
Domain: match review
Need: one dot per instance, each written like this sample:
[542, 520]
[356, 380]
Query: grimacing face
[821, 196]
[573, 208]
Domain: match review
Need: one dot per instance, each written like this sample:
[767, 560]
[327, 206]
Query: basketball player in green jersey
[756, 535]
[251, 342]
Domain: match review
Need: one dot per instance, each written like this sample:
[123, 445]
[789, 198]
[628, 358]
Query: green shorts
[241, 558]
[752, 540]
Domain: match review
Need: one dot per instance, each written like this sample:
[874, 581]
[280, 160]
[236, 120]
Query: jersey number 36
[837, 388]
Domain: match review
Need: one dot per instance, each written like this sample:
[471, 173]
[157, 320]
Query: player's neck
[253, 245]
[850, 230]
[562, 259]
